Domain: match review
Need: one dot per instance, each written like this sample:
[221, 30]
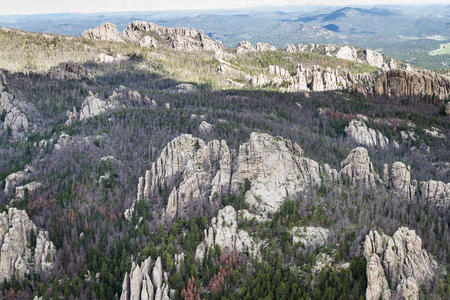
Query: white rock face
[15, 241]
[201, 170]
[399, 260]
[15, 178]
[261, 47]
[105, 32]
[322, 261]
[244, 47]
[401, 180]
[144, 284]
[71, 116]
[348, 53]
[205, 128]
[436, 192]
[276, 169]
[318, 79]
[310, 237]
[178, 38]
[374, 58]
[15, 116]
[359, 132]
[31, 189]
[224, 233]
[259, 81]
[148, 42]
[93, 106]
[358, 168]
[194, 175]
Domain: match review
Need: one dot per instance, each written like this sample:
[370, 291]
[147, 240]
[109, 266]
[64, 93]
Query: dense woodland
[95, 244]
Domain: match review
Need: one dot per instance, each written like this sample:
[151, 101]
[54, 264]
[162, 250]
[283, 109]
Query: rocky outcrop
[224, 233]
[413, 84]
[71, 116]
[358, 168]
[30, 188]
[319, 79]
[190, 171]
[370, 57]
[16, 178]
[104, 32]
[67, 70]
[191, 174]
[276, 169]
[359, 133]
[259, 81]
[15, 118]
[397, 265]
[310, 237]
[205, 128]
[148, 42]
[348, 53]
[183, 88]
[244, 47]
[261, 47]
[374, 58]
[146, 282]
[147, 34]
[400, 180]
[24, 248]
[105, 58]
[435, 192]
[93, 106]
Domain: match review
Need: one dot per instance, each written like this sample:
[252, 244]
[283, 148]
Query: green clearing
[444, 50]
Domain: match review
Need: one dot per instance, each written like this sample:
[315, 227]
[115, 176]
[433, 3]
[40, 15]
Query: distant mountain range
[405, 32]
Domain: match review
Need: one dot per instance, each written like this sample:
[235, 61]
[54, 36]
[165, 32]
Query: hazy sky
[8, 7]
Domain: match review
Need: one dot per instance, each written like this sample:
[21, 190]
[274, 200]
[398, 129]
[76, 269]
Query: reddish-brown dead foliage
[229, 262]
[190, 291]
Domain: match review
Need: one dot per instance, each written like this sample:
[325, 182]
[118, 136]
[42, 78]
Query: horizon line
[229, 9]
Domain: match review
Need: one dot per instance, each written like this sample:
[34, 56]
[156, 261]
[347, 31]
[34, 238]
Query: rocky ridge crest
[147, 34]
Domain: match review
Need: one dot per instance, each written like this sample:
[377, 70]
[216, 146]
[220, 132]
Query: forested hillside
[158, 164]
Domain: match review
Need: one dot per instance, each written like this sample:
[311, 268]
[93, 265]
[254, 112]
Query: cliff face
[24, 247]
[192, 174]
[413, 84]
[397, 265]
[147, 34]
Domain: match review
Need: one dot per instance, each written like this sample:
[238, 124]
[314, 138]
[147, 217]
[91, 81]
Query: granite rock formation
[310, 237]
[146, 282]
[224, 233]
[104, 32]
[151, 35]
[23, 247]
[397, 265]
[358, 132]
